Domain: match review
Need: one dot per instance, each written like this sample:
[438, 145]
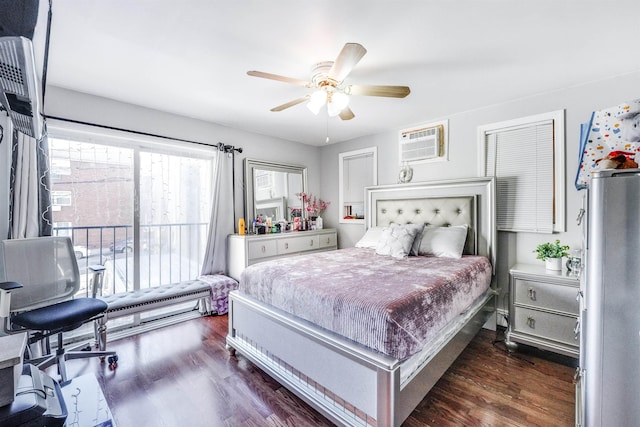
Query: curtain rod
[130, 131]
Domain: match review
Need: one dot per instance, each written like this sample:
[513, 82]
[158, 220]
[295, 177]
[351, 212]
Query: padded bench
[210, 291]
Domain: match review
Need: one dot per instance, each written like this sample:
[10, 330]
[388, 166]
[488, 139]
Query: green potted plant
[552, 253]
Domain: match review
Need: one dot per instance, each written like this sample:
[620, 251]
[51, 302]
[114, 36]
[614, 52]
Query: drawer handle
[311, 243]
[531, 322]
[286, 245]
[328, 240]
[263, 249]
[579, 295]
[576, 329]
[532, 294]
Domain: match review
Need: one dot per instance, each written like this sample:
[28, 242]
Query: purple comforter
[393, 306]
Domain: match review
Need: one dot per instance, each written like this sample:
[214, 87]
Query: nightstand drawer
[545, 325]
[546, 295]
[262, 249]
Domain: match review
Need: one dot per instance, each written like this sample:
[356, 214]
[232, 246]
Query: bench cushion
[153, 295]
[216, 286]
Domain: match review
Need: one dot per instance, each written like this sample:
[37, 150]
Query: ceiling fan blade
[290, 104]
[346, 114]
[279, 78]
[348, 57]
[372, 90]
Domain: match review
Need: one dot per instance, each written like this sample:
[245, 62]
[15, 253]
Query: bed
[300, 320]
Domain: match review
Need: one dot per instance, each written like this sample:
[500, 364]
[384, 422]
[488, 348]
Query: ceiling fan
[327, 79]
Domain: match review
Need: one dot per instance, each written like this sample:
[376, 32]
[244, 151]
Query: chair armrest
[96, 281]
[9, 286]
[5, 297]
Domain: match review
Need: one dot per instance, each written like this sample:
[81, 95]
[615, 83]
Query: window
[60, 198]
[140, 205]
[527, 157]
[356, 170]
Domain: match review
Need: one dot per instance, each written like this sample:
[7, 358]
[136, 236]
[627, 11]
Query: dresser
[253, 248]
[543, 309]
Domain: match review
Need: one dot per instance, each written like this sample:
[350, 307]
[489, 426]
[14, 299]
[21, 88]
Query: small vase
[553, 264]
[319, 223]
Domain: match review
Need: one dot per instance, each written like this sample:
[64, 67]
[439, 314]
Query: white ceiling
[190, 57]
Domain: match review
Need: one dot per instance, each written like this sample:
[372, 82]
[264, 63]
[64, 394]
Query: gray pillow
[396, 241]
[415, 247]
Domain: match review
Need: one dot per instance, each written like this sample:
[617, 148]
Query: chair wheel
[113, 362]
[87, 348]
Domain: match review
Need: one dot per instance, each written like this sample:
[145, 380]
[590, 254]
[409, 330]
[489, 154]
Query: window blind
[521, 159]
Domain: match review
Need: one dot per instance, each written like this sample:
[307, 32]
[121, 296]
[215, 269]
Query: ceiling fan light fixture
[317, 101]
[332, 109]
[339, 100]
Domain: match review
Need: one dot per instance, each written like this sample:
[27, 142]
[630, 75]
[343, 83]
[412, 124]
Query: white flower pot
[319, 223]
[553, 264]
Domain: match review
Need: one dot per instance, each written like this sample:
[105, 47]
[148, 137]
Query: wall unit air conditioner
[424, 143]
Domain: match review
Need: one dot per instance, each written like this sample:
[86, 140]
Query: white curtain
[222, 215]
[30, 213]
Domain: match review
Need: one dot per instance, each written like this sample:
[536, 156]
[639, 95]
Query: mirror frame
[249, 166]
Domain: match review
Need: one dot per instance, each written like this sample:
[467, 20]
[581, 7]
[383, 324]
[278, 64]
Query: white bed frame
[347, 382]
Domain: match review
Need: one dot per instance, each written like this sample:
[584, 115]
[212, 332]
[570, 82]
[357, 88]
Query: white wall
[578, 103]
[78, 106]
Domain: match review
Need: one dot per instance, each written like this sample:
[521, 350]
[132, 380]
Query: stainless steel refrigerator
[609, 372]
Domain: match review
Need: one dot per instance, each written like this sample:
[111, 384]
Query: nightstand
[543, 309]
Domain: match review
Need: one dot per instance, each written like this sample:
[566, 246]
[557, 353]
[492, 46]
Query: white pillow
[396, 241]
[443, 241]
[370, 238]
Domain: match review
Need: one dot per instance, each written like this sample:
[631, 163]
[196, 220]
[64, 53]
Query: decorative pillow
[396, 241]
[443, 241]
[415, 247]
[370, 238]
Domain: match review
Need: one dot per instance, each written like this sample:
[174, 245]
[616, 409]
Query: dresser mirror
[271, 189]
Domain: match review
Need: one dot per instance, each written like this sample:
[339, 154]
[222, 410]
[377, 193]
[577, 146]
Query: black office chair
[41, 279]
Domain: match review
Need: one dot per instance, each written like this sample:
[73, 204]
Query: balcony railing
[168, 253]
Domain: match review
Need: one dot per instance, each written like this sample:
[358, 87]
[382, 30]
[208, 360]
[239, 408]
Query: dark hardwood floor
[182, 375]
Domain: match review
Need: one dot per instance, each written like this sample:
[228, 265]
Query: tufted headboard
[455, 202]
[438, 211]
